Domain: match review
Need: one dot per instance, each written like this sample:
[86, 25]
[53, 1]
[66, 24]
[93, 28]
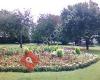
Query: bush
[77, 50]
[47, 48]
[53, 48]
[60, 53]
[50, 48]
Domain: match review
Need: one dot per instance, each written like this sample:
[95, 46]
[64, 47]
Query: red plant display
[30, 60]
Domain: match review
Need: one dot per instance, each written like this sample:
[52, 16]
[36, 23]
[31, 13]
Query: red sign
[30, 60]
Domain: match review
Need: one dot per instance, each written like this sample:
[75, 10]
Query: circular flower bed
[49, 61]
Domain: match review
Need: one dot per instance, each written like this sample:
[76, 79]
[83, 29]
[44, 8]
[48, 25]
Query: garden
[50, 58]
[50, 46]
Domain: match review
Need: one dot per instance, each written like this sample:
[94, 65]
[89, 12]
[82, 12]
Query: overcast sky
[40, 6]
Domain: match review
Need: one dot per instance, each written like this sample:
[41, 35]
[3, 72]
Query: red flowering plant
[29, 60]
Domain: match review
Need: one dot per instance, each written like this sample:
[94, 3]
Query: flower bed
[66, 63]
[48, 62]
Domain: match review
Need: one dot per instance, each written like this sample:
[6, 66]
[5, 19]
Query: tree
[25, 20]
[8, 25]
[12, 24]
[78, 20]
[43, 32]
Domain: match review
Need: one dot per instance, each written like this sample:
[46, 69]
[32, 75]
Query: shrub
[77, 50]
[47, 48]
[26, 50]
[60, 53]
[50, 48]
[53, 48]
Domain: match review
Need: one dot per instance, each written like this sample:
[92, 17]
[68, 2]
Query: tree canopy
[80, 20]
[76, 22]
[12, 23]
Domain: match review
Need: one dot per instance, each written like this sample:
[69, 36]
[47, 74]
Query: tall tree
[14, 23]
[44, 29]
[25, 22]
[79, 20]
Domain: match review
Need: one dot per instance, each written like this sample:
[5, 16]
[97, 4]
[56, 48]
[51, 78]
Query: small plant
[47, 48]
[60, 53]
[26, 50]
[50, 48]
[77, 50]
[53, 48]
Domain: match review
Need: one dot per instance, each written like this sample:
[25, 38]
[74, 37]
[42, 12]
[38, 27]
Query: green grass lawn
[90, 73]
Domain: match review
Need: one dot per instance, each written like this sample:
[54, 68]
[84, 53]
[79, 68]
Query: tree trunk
[87, 43]
[21, 41]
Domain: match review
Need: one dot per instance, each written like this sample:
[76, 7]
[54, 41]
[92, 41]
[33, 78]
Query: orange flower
[30, 60]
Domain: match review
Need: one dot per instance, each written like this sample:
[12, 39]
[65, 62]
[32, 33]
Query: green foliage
[47, 48]
[12, 23]
[53, 48]
[13, 69]
[77, 50]
[50, 48]
[60, 53]
[46, 25]
[74, 23]
[79, 19]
